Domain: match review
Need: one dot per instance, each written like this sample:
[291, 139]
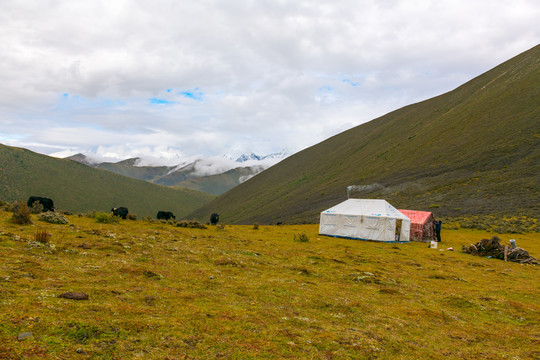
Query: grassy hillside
[474, 150]
[127, 168]
[161, 292]
[79, 188]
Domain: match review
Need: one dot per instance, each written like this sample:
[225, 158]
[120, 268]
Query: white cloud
[114, 78]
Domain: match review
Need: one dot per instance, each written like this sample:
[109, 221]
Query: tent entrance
[398, 229]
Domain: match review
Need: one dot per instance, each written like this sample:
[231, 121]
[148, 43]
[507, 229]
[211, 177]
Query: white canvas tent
[366, 219]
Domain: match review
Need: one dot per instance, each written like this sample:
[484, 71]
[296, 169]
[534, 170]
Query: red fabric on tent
[421, 224]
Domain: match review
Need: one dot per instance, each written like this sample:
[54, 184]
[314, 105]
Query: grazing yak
[214, 218]
[48, 204]
[165, 215]
[121, 212]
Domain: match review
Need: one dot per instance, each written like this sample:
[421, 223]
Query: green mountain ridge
[127, 168]
[219, 183]
[79, 188]
[473, 150]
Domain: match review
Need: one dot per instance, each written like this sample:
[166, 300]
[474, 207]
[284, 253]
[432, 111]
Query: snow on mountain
[247, 157]
[212, 166]
[277, 156]
[198, 166]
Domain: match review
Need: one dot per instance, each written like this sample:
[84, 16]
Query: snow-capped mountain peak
[278, 156]
[247, 157]
[251, 156]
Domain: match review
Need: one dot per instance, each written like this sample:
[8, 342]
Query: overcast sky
[172, 79]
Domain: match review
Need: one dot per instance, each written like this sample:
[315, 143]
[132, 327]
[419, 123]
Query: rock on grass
[24, 335]
[74, 295]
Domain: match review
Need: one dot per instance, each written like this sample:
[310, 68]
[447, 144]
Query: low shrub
[36, 208]
[53, 218]
[169, 221]
[42, 236]
[11, 206]
[301, 237]
[131, 216]
[104, 218]
[82, 333]
[4, 205]
[193, 224]
[21, 214]
[89, 214]
[256, 226]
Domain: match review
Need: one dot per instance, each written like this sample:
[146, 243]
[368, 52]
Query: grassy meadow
[157, 291]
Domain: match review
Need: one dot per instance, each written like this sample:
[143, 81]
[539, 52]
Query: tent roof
[366, 207]
[416, 216]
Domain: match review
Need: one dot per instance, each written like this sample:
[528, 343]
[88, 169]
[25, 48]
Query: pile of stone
[494, 249]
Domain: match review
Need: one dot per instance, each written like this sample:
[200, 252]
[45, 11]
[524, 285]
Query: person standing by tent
[438, 226]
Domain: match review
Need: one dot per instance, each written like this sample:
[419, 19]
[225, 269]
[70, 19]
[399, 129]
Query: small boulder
[74, 295]
[153, 275]
[25, 335]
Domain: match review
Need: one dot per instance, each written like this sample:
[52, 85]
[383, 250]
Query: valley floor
[157, 291]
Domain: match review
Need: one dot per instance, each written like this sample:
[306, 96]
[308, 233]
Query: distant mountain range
[212, 175]
[473, 150]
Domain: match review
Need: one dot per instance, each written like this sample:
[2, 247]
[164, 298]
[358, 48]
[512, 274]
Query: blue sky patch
[161, 101]
[326, 88]
[194, 94]
[352, 83]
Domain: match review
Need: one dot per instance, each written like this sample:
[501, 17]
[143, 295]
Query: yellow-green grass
[161, 292]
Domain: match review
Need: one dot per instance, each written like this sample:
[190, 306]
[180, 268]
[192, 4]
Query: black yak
[165, 215]
[121, 212]
[214, 218]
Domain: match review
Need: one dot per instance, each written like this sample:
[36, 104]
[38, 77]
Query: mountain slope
[79, 188]
[220, 183]
[472, 150]
[81, 158]
[128, 168]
